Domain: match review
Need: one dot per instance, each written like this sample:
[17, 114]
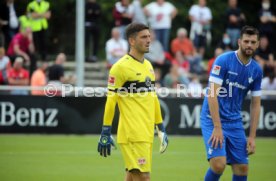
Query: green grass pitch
[70, 157]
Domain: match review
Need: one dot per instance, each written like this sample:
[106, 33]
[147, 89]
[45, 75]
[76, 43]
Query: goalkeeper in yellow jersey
[131, 86]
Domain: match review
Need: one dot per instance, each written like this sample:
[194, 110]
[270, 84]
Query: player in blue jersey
[232, 76]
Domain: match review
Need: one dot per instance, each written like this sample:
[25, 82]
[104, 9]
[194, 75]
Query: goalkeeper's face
[142, 41]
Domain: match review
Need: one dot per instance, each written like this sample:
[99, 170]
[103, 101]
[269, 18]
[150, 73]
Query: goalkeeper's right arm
[106, 141]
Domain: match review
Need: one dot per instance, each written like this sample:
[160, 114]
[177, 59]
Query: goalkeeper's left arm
[160, 127]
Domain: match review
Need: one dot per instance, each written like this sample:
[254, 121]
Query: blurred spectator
[201, 17]
[138, 12]
[267, 20]
[183, 63]
[175, 77]
[40, 13]
[218, 51]
[9, 20]
[160, 15]
[269, 83]
[158, 78]
[183, 44]
[265, 57]
[115, 47]
[39, 78]
[122, 13]
[156, 53]
[225, 43]
[92, 28]
[4, 65]
[235, 20]
[56, 72]
[195, 87]
[18, 76]
[22, 45]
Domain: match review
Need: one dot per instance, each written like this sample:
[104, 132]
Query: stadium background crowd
[186, 38]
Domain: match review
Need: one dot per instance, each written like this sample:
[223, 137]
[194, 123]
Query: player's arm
[174, 13]
[255, 108]
[160, 127]
[254, 120]
[213, 104]
[33, 14]
[115, 81]
[215, 81]
[110, 106]
[217, 136]
[20, 52]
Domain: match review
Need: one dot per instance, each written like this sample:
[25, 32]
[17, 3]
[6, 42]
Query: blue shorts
[234, 143]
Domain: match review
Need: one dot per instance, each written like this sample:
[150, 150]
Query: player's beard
[248, 52]
[142, 49]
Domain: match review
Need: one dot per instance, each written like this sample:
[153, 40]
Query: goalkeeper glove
[106, 141]
[163, 137]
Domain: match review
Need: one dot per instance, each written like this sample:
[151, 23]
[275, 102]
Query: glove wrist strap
[161, 127]
[106, 130]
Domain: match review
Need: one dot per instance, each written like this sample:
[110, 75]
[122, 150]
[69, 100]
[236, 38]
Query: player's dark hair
[133, 28]
[250, 30]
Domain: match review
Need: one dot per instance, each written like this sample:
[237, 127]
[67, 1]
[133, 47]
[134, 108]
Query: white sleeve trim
[216, 80]
[256, 93]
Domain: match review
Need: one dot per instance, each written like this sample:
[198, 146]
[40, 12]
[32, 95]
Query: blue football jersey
[236, 79]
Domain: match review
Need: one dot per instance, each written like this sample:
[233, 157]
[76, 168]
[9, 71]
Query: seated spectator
[174, 77]
[115, 47]
[195, 87]
[183, 44]
[4, 65]
[265, 57]
[218, 51]
[225, 43]
[22, 45]
[183, 64]
[39, 78]
[18, 76]
[269, 83]
[56, 72]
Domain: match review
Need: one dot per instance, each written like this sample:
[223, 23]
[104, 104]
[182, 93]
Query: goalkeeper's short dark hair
[133, 28]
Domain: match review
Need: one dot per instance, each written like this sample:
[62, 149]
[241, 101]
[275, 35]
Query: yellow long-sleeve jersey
[131, 86]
